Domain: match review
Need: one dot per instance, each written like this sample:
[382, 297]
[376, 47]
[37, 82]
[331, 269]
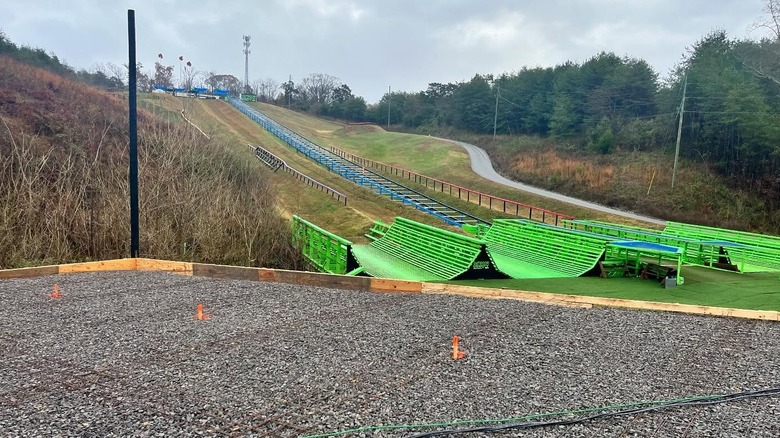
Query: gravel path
[482, 166]
[120, 355]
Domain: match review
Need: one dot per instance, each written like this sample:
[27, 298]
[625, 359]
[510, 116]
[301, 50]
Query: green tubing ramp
[695, 251]
[748, 252]
[527, 249]
[705, 233]
[409, 250]
[323, 249]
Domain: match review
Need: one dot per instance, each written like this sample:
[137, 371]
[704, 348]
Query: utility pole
[247, 38]
[388, 107]
[289, 92]
[495, 117]
[679, 131]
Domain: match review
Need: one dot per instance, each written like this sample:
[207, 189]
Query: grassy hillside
[221, 121]
[422, 154]
[64, 191]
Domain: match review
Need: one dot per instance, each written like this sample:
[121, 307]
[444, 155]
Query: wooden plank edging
[184, 268]
[398, 286]
[377, 285]
[104, 265]
[576, 300]
[38, 271]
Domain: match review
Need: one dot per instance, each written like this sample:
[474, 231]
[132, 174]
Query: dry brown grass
[64, 187]
[558, 168]
[638, 181]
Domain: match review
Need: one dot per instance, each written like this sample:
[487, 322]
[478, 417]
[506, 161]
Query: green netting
[378, 263]
[526, 249]
[579, 224]
[476, 230]
[410, 250]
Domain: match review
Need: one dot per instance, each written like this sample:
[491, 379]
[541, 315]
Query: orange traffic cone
[56, 292]
[456, 353]
[200, 315]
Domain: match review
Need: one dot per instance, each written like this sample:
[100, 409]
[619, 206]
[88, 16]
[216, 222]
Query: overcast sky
[373, 44]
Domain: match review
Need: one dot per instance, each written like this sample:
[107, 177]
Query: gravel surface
[121, 355]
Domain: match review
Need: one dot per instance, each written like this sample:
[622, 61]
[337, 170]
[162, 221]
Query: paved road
[481, 165]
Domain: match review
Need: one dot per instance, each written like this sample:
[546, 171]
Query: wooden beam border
[588, 301]
[100, 266]
[380, 285]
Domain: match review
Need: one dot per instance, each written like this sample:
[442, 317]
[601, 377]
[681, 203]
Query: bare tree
[763, 57]
[266, 89]
[771, 20]
[163, 75]
[318, 87]
[188, 76]
[199, 78]
[112, 71]
[224, 82]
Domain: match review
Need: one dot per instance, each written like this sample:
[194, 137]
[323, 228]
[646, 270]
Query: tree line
[726, 91]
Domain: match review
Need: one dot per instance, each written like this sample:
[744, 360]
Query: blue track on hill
[358, 174]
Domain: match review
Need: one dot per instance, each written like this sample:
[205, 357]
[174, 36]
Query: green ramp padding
[325, 250]
[702, 232]
[409, 250]
[751, 252]
[695, 251]
[526, 249]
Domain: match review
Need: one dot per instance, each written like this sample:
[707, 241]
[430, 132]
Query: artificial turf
[702, 286]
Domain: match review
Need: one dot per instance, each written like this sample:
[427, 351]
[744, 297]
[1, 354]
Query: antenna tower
[247, 43]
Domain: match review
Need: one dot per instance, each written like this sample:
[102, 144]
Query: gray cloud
[372, 44]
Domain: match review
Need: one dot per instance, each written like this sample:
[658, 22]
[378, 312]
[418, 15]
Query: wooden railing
[482, 199]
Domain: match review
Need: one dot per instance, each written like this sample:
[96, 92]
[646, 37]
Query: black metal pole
[133, 136]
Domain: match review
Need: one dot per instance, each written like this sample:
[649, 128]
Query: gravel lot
[121, 355]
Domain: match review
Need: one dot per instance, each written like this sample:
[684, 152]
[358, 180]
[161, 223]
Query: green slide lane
[409, 250]
[527, 249]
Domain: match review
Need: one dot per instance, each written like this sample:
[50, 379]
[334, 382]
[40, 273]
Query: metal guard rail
[436, 183]
[277, 163]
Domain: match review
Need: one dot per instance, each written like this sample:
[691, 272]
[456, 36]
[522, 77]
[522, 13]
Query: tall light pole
[247, 43]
